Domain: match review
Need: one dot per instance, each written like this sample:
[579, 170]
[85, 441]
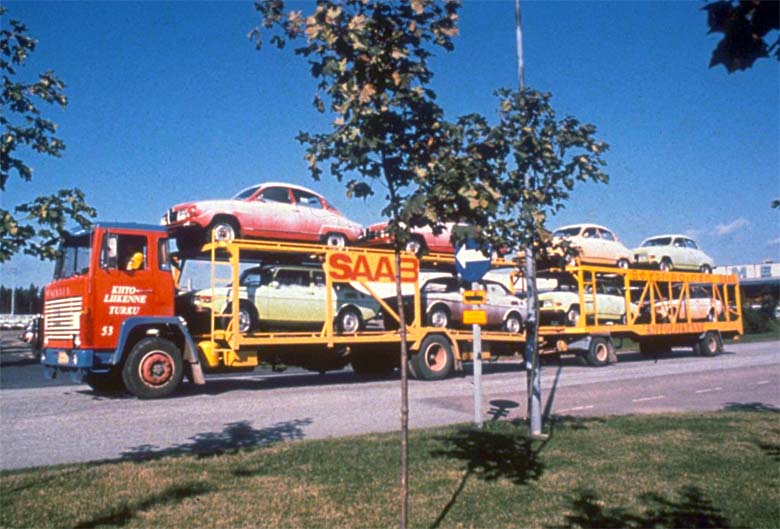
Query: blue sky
[170, 102]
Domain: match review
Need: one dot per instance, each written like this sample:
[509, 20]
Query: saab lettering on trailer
[347, 267]
[125, 300]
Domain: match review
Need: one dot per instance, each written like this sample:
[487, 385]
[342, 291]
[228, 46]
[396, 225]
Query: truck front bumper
[77, 362]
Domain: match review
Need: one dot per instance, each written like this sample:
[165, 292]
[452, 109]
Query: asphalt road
[53, 424]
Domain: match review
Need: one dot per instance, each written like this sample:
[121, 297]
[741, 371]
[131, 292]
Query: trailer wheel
[105, 383]
[153, 369]
[709, 345]
[598, 352]
[434, 360]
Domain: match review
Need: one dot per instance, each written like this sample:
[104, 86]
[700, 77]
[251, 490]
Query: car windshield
[74, 257]
[246, 193]
[567, 232]
[254, 277]
[660, 241]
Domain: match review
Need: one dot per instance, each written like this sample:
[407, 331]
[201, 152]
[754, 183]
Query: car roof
[285, 184]
[669, 235]
[584, 225]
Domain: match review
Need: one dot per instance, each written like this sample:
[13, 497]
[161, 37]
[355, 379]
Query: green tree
[371, 63]
[32, 227]
[746, 25]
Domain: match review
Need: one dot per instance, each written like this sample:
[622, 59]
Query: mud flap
[193, 370]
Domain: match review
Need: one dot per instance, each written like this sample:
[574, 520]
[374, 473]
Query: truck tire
[105, 383]
[434, 360]
[710, 344]
[153, 369]
[598, 352]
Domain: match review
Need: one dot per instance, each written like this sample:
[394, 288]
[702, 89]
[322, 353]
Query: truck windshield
[74, 256]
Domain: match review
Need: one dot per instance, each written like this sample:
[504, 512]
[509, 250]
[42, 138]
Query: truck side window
[131, 252]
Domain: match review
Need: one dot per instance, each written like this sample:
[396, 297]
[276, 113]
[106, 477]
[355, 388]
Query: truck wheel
[709, 345]
[153, 369]
[434, 360]
[105, 383]
[598, 352]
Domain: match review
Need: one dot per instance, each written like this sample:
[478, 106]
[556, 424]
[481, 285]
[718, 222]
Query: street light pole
[533, 375]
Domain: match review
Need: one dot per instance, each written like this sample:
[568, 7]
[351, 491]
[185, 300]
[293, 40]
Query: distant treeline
[27, 300]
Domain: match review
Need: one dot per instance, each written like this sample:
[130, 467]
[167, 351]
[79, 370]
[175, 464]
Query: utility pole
[533, 375]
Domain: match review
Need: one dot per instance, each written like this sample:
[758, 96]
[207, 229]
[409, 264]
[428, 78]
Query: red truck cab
[109, 312]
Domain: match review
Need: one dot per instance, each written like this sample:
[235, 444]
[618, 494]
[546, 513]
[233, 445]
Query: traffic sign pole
[477, 330]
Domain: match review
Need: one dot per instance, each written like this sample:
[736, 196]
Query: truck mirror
[110, 252]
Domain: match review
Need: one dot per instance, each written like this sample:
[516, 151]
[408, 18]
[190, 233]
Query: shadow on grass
[121, 515]
[692, 510]
[751, 407]
[490, 456]
[772, 450]
[233, 437]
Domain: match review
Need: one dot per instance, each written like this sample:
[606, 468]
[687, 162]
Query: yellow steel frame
[655, 286]
[225, 347]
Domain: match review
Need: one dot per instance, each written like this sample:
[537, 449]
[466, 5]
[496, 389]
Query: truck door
[126, 285]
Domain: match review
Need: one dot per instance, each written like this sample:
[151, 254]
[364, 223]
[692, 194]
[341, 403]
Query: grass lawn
[704, 470]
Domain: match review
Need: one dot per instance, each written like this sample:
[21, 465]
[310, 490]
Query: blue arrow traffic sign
[470, 263]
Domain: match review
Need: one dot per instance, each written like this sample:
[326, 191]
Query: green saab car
[284, 297]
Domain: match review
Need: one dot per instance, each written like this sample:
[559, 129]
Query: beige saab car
[595, 244]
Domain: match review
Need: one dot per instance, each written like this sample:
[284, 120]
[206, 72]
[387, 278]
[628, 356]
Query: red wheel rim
[156, 368]
[436, 357]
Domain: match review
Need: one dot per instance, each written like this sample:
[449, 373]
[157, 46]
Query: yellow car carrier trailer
[435, 352]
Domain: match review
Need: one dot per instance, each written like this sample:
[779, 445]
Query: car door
[312, 216]
[590, 243]
[272, 214]
[611, 249]
[290, 298]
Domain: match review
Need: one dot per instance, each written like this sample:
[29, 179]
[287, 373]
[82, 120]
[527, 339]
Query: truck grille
[62, 318]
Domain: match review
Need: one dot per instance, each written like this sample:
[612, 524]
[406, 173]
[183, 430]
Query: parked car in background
[560, 305]
[672, 252]
[423, 239]
[442, 300]
[271, 210]
[275, 297]
[702, 305]
[595, 244]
